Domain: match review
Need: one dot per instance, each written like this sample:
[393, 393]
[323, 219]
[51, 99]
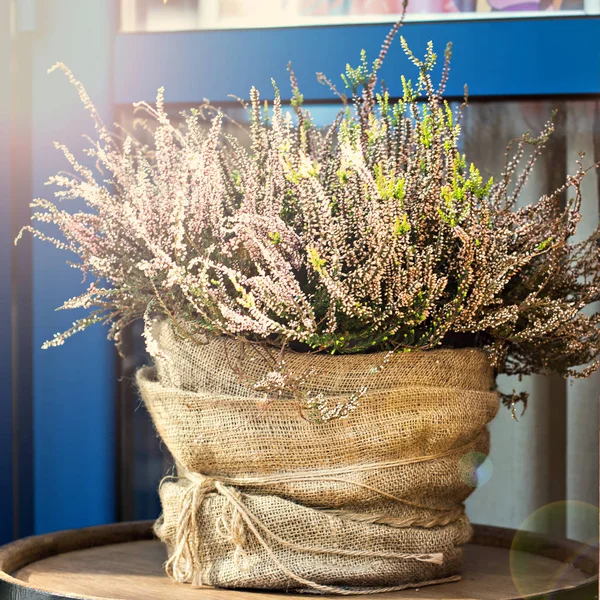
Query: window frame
[181, 60]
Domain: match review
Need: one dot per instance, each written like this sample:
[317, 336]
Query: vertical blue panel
[6, 450]
[74, 384]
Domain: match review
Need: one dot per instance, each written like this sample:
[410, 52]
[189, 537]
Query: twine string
[332, 475]
[185, 564]
[436, 558]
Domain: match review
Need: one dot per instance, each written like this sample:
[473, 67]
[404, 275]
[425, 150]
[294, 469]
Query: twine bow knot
[236, 520]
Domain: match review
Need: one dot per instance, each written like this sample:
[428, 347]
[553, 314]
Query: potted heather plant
[327, 310]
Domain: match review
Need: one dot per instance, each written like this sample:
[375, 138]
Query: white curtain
[545, 466]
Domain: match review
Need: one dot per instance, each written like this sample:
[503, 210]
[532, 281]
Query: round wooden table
[124, 562]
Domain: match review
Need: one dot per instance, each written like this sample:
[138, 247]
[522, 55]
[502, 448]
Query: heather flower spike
[375, 233]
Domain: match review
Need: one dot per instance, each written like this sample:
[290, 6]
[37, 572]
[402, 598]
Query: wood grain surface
[103, 563]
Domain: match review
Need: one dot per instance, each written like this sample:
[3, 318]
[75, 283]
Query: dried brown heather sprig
[372, 234]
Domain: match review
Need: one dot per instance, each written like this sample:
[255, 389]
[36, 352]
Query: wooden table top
[132, 570]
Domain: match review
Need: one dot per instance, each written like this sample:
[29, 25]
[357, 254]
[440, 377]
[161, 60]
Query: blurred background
[76, 445]
[142, 15]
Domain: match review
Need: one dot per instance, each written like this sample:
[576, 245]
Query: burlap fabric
[267, 499]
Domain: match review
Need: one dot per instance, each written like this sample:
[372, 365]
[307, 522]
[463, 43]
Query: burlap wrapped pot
[265, 498]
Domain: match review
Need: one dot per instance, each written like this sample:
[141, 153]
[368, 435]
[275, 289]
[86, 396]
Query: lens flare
[525, 560]
[475, 469]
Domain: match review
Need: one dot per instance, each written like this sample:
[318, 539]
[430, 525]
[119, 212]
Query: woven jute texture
[265, 498]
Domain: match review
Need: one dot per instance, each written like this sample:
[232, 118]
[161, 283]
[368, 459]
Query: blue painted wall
[73, 385]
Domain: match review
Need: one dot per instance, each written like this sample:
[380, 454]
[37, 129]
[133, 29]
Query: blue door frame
[74, 386]
[59, 464]
[549, 56]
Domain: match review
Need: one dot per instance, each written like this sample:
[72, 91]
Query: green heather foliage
[372, 234]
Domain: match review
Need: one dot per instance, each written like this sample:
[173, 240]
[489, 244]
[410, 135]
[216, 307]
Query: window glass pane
[145, 459]
[172, 15]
